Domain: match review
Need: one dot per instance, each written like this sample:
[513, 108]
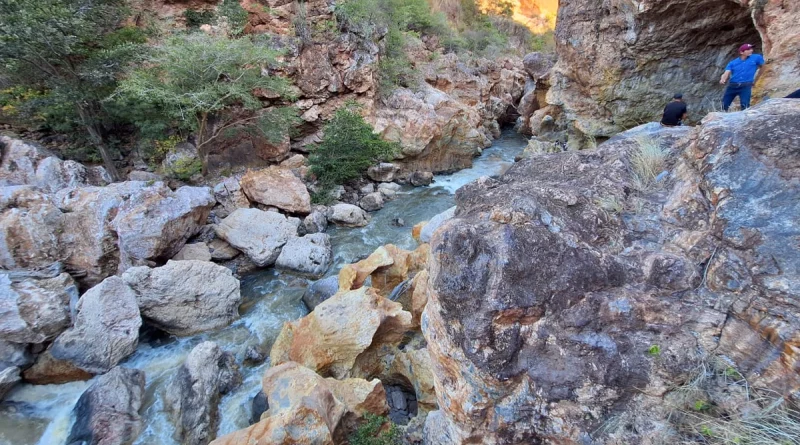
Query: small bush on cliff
[372, 432]
[348, 148]
[203, 83]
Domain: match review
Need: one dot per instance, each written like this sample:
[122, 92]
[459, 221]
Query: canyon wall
[620, 61]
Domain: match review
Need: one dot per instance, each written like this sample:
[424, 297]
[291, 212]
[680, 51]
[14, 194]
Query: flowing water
[42, 414]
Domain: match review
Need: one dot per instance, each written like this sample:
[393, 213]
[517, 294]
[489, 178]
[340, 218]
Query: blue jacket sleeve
[729, 66]
[760, 60]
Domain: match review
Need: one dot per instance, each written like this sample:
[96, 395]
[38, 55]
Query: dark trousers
[743, 90]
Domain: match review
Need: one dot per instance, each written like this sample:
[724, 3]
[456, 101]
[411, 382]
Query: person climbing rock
[742, 72]
[674, 112]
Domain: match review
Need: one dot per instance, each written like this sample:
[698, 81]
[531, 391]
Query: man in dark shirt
[674, 112]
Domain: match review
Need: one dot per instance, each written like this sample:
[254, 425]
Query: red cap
[745, 47]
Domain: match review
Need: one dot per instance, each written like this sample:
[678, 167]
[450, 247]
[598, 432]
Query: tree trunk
[202, 149]
[97, 139]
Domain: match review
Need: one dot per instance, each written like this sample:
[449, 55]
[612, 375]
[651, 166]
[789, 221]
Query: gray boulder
[348, 215]
[14, 354]
[108, 412]
[53, 174]
[185, 297]
[320, 291]
[418, 179]
[310, 254]
[221, 250]
[372, 202]
[192, 398]
[88, 238]
[35, 311]
[383, 172]
[260, 235]
[196, 251]
[29, 227]
[106, 329]
[19, 160]
[9, 377]
[389, 189]
[229, 196]
[316, 221]
[155, 226]
[427, 231]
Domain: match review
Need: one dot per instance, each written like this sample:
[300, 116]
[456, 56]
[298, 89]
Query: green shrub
[371, 433]
[200, 83]
[185, 168]
[194, 18]
[348, 148]
[234, 14]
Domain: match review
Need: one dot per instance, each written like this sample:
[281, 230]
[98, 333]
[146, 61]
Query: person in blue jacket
[742, 72]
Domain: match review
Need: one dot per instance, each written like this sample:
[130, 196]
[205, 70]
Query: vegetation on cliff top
[81, 68]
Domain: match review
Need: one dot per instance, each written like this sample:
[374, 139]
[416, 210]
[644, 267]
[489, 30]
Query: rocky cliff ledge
[568, 298]
[620, 61]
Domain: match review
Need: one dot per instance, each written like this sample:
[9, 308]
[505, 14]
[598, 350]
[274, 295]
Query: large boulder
[106, 329]
[348, 215]
[555, 294]
[48, 370]
[229, 196]
[185, 297]
[319, 291]
[14, 354]
[35, 311]
[29, 227]
[192, 398]
[53, 174]
[427, 231]
[306, 408]
[108, 412]
[310, 254]
[330, 339]
[622, 76]
[88, 239]
[259, 235]
[277, 187]
[193, 252]
[18, 161]
[9, 377]
[156, 225]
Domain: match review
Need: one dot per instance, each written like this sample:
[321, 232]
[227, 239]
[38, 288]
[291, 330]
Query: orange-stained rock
[277, 187]
[353, 276]
[305, 408]
[330, 339]
[417, 229]
[419, 297]
[49, 370]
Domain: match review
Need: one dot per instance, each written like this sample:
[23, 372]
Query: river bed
[42, 414]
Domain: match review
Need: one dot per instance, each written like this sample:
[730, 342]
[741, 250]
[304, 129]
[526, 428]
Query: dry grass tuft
[757, 418]
[647, 161]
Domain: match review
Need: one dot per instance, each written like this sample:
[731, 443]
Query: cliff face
[568, 297]
[442, 123]
[621, 61]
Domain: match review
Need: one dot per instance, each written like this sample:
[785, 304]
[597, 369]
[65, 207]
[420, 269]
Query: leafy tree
[202, 83]
[70, 51]
[348, 148]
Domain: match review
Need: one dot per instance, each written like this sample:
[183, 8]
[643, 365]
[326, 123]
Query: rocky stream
[43, 414]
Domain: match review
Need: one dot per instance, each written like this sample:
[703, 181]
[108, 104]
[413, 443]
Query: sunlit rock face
[619, 62]
[551, 284]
